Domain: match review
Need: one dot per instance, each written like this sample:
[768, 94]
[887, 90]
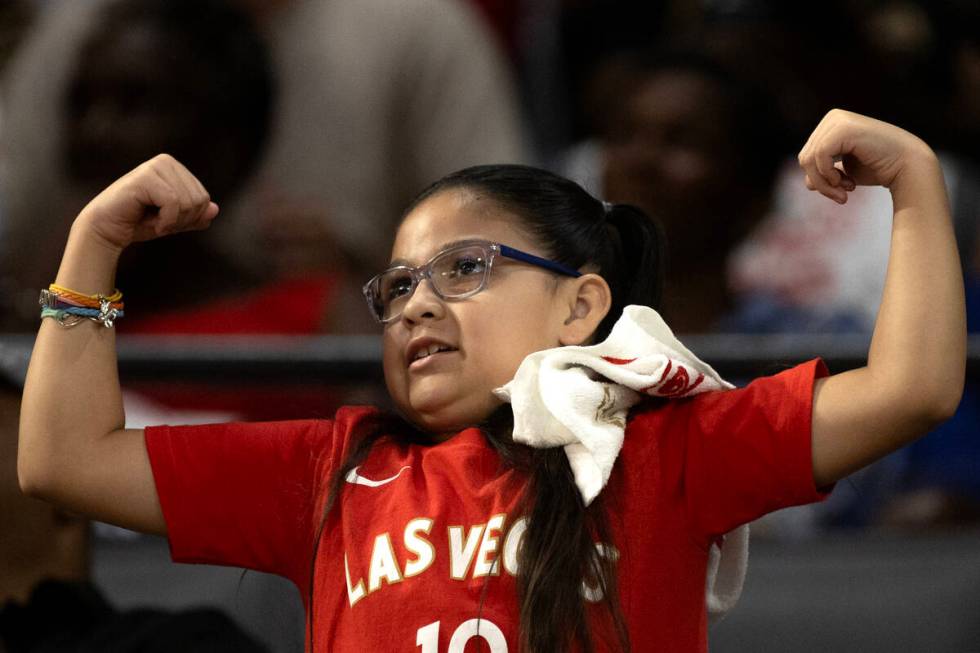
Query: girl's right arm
[73, 449]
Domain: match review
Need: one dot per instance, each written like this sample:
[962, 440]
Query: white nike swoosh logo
[355, 479]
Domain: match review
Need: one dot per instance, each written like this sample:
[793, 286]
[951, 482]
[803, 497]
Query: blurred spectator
[917, 67]
[925, 59]
[841, 254]
[376, 100]
[695, 146]
[571, 65]
[48, 604]
[209, 105]
[811, 59]
[841, 251]
[188, 78]
[676, 148]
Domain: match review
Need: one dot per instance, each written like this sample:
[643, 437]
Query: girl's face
[489, 334]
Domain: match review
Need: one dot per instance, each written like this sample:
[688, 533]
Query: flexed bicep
[74, 449]
[916, 362]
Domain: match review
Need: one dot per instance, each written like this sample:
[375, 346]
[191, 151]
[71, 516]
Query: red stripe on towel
[618, 361]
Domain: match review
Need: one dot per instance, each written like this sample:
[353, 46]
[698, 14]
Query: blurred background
[313, 123]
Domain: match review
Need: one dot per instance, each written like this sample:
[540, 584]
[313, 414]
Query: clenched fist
[157, 198]
[848, 150]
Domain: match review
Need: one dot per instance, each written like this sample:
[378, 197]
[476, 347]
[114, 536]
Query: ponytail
[635, 265]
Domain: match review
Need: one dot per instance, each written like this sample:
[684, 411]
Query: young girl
[436, 531]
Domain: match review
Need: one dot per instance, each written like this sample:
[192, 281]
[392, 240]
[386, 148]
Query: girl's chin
[441, 424]
[447, 420]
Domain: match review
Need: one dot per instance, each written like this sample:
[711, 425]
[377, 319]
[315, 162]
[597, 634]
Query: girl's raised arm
[73, 448]
[916, 363]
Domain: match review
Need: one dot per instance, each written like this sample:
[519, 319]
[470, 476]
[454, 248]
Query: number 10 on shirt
[428, 636]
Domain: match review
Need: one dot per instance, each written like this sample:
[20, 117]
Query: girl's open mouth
[430, 356]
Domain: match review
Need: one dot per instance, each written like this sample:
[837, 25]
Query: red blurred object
[288, 307]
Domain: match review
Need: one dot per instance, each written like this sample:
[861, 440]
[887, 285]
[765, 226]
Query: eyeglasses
[459, 271]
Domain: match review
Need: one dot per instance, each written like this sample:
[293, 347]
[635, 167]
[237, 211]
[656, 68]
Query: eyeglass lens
[453, 273]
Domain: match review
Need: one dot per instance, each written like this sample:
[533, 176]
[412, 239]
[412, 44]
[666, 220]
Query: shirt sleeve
[747, 451]
[243, 494]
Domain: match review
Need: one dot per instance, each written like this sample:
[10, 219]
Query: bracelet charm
[69, 307]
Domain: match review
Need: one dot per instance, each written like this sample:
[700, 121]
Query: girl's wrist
[83, 229]
[89, 262]
[920, 179]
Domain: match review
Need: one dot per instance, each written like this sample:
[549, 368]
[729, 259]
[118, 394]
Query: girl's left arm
[916, 362]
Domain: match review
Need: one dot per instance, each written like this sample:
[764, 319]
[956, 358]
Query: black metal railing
[356, 359]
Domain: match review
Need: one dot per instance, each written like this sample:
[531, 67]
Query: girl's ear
[588, 300]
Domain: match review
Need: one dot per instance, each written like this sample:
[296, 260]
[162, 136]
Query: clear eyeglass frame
[445, 276]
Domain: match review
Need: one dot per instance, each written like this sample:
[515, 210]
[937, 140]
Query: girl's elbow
[940, 406]
[29, 477]
[946, 406]
[929, 400]
[34, 473]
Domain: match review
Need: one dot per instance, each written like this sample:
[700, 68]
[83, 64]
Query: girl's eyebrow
[461, 241]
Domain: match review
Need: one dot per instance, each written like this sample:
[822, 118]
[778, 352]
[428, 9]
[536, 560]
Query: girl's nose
[423, 304]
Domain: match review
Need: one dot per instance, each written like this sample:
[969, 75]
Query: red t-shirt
[405, 556]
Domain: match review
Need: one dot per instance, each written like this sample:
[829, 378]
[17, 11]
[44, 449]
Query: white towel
[578, 398]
